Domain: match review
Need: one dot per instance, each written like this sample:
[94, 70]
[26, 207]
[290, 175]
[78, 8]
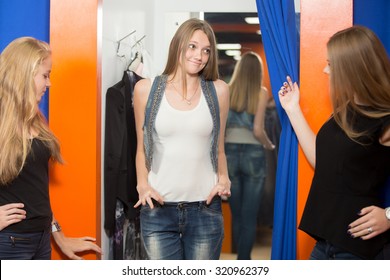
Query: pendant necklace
[187, 100]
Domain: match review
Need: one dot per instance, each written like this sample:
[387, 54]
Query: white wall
[158, 20]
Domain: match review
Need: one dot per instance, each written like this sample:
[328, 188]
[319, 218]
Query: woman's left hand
[221, 189]
[70, 246]
[372, 222]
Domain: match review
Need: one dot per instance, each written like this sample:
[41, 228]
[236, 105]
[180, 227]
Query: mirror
[236, 35]
[158, 21]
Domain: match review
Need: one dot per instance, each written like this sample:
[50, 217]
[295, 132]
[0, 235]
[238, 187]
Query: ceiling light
[252, 20]
[233, 52]
[229, 46]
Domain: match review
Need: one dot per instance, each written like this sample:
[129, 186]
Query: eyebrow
[196, 42]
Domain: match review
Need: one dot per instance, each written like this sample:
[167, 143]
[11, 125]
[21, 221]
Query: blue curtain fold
[279, 28]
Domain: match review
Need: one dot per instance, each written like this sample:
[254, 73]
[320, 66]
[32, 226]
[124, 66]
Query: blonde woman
[245, 142]
[26, 147]
[351, 152]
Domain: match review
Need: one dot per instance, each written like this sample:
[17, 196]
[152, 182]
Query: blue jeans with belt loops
[183, 230]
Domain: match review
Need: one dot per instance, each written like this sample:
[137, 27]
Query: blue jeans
[25, 246]
[183, 230]
[323, 250]
[247, 167]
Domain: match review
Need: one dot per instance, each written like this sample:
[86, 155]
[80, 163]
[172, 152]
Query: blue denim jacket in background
[242, 119]
[153, 105]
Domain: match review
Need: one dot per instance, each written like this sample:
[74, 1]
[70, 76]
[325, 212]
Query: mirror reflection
[121, 69]
[237, 35]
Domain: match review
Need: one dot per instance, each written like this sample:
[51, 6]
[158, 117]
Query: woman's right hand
[147, 194]
[289, 95]
[289, 99]
[11, 213]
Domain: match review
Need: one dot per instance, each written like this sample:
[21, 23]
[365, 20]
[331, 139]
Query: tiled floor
[262, 248]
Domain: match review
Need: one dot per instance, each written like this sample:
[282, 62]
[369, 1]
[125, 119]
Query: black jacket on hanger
[120, 145]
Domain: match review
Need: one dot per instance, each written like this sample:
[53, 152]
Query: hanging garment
[119, 161]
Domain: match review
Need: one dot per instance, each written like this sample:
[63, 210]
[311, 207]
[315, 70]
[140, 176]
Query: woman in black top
[351, 153]
[26, 146]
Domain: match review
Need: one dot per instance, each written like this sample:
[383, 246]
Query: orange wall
[319, 20]
[74, 116]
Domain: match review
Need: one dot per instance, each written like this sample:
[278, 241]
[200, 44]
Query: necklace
[187, 100]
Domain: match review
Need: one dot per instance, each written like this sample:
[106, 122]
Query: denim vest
[153, 105]
[242, 119]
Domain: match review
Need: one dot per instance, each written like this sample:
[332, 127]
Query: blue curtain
[376, 17]
[25, 18]
[279, 28]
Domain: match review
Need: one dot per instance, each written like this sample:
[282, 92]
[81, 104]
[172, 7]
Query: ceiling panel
[232, 28]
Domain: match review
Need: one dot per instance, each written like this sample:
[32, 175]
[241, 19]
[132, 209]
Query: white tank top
[181, 167]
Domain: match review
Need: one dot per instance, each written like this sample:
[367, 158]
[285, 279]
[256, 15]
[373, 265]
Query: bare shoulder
[222, 88]
[264, 89]
[143, 85]
[142, 89]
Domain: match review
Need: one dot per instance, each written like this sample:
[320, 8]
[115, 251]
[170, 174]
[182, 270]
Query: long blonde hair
[359, 75]
[19, 112]
[245, 84]
[179, 45]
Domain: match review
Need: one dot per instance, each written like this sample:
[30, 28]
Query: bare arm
[289, 99]
[258, 125]
[70, 246]
[145, 191]
[222, 188]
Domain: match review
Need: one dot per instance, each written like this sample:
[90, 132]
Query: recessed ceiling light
[233, 52]
[229, 46]
[252, 20]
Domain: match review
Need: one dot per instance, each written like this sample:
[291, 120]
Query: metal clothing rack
[136, 43]
[120, 40]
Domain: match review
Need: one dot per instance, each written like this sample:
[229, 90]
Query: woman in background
[245, 142]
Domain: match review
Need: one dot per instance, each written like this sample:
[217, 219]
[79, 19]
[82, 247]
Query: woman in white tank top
[181, 163]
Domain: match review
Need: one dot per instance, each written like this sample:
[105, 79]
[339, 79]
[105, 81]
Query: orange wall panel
[74, 116]
[319, 20]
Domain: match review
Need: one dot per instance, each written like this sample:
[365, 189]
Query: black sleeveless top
[31, 187]
[348, 177]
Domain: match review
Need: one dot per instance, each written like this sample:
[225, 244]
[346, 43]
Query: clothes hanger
[119, 43]
[137, 60]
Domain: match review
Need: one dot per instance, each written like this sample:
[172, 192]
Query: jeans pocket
[214, 207]
[19, 240]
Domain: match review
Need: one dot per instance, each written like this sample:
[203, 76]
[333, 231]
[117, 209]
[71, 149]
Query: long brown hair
[19, 112]
[359, 75]
[245, 84]
[179, 45]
